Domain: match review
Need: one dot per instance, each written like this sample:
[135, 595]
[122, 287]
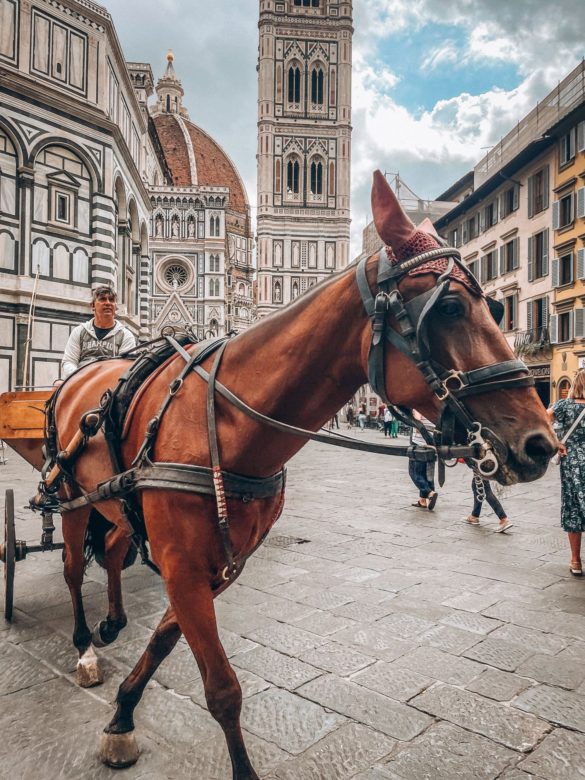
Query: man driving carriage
[102, 336]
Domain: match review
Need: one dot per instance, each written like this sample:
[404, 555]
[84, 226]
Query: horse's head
[437, 347]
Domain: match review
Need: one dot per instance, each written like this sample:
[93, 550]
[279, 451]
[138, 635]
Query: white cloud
[441, 55]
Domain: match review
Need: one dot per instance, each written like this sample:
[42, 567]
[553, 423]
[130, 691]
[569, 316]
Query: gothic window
[212, 227]
[332, 95]
[317, 86]
[217, 226]
[294, 84]
[316, 177]
[292, 177]
[168, 104]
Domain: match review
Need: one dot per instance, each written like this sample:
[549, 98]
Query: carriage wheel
[9, 553]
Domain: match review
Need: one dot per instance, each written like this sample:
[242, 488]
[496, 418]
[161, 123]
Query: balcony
[533, 343]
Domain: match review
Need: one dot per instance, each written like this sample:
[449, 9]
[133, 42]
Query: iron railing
[531, 340]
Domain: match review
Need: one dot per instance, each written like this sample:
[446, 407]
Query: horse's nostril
[539, 447]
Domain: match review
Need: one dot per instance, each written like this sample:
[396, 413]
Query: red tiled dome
[213, 166]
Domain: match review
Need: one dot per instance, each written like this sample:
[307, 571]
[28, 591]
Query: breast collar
[411, 338]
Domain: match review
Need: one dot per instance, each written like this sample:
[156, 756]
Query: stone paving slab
[482, 716]
[559, 757]
[500, 686]
[339, 755]
[446, 752]
[563, 707]
[370, 708]
[277, 668]
[289, 721]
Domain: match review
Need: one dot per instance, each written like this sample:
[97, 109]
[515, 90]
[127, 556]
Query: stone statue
[175, 228]
[191, 229]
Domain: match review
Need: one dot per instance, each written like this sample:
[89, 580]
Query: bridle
[449, 386]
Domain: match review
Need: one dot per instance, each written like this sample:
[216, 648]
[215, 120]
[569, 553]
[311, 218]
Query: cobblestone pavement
[373, 640]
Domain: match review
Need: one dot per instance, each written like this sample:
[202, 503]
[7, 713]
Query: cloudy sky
[435, 82]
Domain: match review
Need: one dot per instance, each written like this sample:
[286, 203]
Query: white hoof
[119, 750]
[89, 672]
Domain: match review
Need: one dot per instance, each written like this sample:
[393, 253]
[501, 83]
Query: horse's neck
[304, 362]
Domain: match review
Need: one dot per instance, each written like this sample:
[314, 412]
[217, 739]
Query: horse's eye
[451, 308]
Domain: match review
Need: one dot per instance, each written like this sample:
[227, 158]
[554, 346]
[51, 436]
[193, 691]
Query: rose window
[176, 275]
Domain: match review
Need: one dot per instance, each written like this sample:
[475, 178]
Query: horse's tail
[94, 545]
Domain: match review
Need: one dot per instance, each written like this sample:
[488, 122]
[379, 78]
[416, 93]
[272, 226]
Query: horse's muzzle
[530, 458]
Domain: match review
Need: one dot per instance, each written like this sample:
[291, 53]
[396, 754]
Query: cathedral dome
[193, 157]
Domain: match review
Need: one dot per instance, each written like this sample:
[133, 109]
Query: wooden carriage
[22, 428]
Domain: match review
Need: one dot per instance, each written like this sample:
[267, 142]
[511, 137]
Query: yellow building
[567, 324]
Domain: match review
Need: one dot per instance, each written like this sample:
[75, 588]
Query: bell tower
[304, 145]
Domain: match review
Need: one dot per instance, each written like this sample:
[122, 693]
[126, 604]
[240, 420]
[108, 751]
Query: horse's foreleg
[119, 747]
[193, 604]
[117, 543]
[74, 525]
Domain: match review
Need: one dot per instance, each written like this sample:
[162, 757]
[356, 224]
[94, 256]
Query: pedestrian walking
[482, 491]
[569, 413]
[350, 416]
[422, 472]
[388, 417]
[362, 417]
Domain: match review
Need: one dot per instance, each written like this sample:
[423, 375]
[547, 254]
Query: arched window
[217, 226]
[212, 226]
[564, 387]
[317, 86]
[168, 104]
[316, 177]
[292, 176]
[294, 84]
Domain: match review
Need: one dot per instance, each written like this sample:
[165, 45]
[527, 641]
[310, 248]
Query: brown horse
[298, 366]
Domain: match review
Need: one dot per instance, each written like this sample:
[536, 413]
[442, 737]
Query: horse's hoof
[96, 636]
[119, 750]
[89, 672]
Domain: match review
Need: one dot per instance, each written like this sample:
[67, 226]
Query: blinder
[486, 451]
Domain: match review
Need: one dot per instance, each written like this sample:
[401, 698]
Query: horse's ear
[392, 224]
[427, 227]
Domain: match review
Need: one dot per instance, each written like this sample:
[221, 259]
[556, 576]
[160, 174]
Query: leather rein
[448, 385]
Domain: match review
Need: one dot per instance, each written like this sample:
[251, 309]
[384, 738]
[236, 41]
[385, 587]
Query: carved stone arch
[120, 197]
[134, 220]
[158, 212]
[17, 142]
[143, 239]
[175, 212]
[86, 158]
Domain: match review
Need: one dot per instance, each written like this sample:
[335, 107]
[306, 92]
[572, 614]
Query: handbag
[556, 458]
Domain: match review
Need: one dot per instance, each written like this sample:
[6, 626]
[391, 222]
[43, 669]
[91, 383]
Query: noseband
[411, 338]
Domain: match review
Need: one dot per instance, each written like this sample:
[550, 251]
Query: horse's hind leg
[117, 544]
[193, 604]
[119, 747]
[74, 525]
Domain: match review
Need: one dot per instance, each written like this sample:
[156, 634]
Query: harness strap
[222, 513]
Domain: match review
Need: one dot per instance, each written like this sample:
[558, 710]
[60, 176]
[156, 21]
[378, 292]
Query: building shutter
[554, 329]
[502, 200]
[515, 253]
[579, 323]
[516, 197]
[571, 325]
[571, 269]
[481, 221]
[530, 196]
[545, 186]
[531, 259]
[529, 307]
[502, 259]
[581, 263]
[581, 202]
[572, 139]
[478, 225]
[493, 261]
[483, 270]
[555, 272]
[464, 233]
[545, 252]
[545, 310]
[556, 215]
[581, 137]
